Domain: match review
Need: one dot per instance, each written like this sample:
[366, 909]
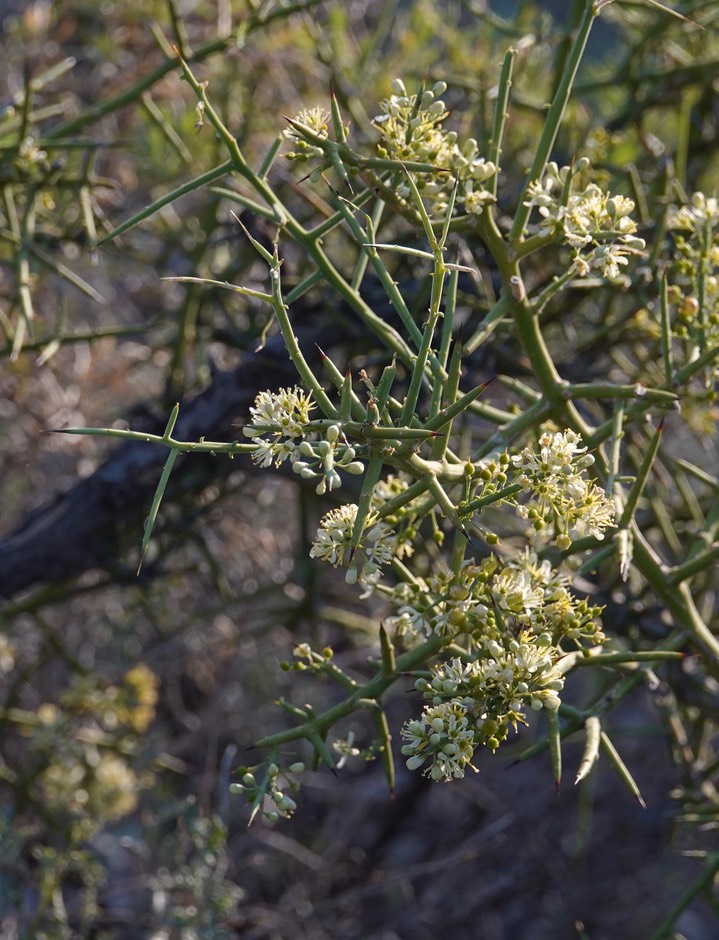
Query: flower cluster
[128, 705]
[489, 601]
[91, 784]
[595, 224]
[318, 460]
[279, 421]
[694, 291]
[316, 120]
[377, 545]
[700, 216]
[8, 654]
[272, 793]
[515, 619]
[476, 702]
[559, 494]
[443, 735]
[411, 131]
[31, 160]
[280, 428]
[85, 742]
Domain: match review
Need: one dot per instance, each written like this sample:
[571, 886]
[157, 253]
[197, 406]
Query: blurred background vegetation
[127, 700]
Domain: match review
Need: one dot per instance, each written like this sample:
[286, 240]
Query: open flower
[316, 121]
[441, 735]
[411, 131]
[595, 224]
[279, 421]
[376, 547]
[560, 496]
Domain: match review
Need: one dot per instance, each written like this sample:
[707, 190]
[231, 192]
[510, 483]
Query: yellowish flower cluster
[376, 548]
[561, 498]
[595, 224]
[412, 131]
[694, 274]
[475, 703]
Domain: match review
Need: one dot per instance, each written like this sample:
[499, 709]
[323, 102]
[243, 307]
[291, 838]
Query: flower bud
[436, 773]
[355, 467]
[414, 762]
[306, 450]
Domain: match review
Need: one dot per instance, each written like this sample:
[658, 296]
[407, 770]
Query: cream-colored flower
[279, 421]
[376, 547]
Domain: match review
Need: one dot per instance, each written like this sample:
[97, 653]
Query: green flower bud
[306, 450]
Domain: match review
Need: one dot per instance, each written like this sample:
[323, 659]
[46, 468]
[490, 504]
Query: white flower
[346, 749]
[608, 259]
[412, 130]
[278, 419]
[410, 622]
[589, 219]
[560, 495]
[476, 201]
[702, 210]
[316, 121]
[376, 547]
[442, 735]
[514, 592]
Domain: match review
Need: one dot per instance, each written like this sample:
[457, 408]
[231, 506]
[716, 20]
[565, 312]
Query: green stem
[494, 152]
[554, 118]
[371, 691]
